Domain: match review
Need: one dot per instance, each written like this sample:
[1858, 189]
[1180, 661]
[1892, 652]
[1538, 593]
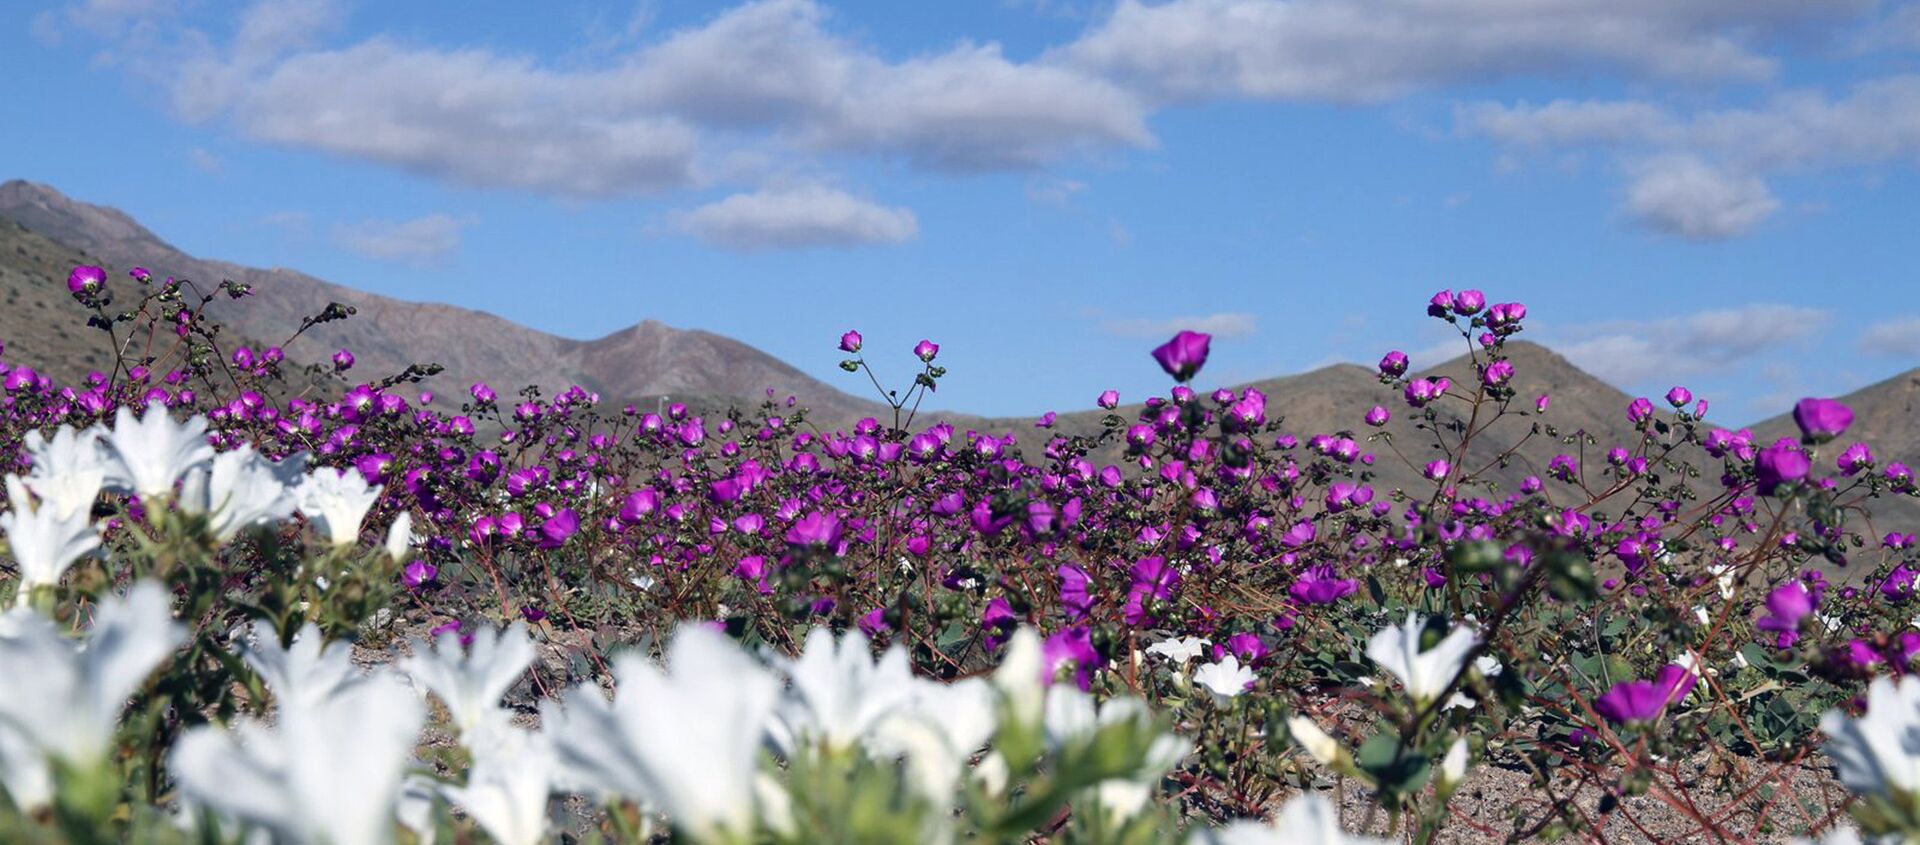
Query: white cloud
[764, 74]
[1682, 195]
[1899, 338]
[1704, 343]
[1701, 175]
[1225, 324]
[1564, 123]
[423, 241]
[796, 217]
[1336, 50]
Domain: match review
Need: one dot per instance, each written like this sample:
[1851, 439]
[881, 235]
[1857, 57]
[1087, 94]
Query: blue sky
[1047, 188]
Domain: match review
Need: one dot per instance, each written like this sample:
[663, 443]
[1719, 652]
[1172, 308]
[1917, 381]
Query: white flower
[507, 788]
[302, 675]
[1073, 718]
[1318, 745]
[1424, 674]
[1181, 649]
[400, 538]
[337, 502]
[839, 692]
[1879, 753]
[1724, 576]
[1226, 679]
[1305, 820]
[67, 470]
[938, 730]
[471, 683]
[1019, 680]
[149, 453]
[1488, 665]
[62, 698]
[241, 489]
[327, 772]
[685, 740]
[43, 542]
[1453, 767]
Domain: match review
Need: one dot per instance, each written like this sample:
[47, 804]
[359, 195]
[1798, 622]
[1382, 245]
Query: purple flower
[998, 621]
[1469, 302]
[1109, 399]
[1786, 606]
[639, 504]
[924, 350]
[1394, 364]
[532, 614]
[1639, 410]
[86, 280]
[1632, 701]
[1821, 420]
[850, 342]
[1246, 646]
[1441, 305]
[1497, 373]
[1319, 585]
[1856, 458]
[1540, 404]
[1781, 463]
[559, 528]
[417, 574]
[1377, 416]
[343, 360]
[817, 529]
[1898, 585]
[1071, 647]
[1679, 396]
[1075, 594]
[1184, 355]
[1438, 470]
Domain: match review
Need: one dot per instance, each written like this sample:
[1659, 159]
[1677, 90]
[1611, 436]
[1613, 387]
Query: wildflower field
[255, 602]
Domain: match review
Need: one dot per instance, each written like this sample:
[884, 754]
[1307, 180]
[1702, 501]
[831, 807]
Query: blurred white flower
[1180, 649]
[508, 786]
[400, 537]
[1020, 680]
[43, 542]
[471, 682]
[839, 691]
[937, 733]
[337, 501]
[685, 740]
[1226, 679]
[1425, 674]
[241, 489]
[1878, 754]
[1305, 820]
[61, 697]
[1453, 767]
[68, 470]
[1318, 745]
[304, 674]
[147, 454]
[1072, 718]
[327, 772]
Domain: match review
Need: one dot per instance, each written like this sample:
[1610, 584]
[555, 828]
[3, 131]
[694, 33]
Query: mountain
[41, 324]
[645, 361]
